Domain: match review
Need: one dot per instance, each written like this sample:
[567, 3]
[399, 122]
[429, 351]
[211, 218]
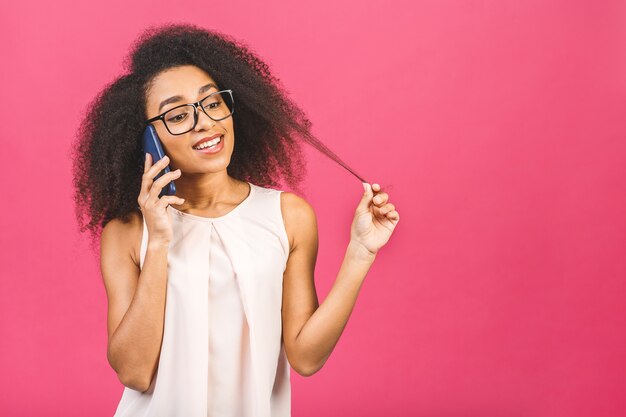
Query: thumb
[367, 195]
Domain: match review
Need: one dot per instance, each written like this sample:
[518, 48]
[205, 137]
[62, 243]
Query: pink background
[499, 127]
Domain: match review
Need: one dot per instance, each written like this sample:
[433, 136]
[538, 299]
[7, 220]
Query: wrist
[357, 251]
[158, 243]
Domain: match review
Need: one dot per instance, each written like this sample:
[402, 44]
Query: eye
[177, 118]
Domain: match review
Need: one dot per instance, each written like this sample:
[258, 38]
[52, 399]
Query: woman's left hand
[374, 220]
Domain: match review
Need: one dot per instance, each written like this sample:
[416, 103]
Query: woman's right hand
[154, 209]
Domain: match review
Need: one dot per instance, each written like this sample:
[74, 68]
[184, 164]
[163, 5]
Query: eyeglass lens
[218, 106]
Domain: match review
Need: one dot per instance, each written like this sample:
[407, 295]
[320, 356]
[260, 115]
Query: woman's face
[183, 85]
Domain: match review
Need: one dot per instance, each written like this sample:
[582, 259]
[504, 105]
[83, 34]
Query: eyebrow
[174, 99]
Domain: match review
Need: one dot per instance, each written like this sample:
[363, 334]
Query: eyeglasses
[184, 118]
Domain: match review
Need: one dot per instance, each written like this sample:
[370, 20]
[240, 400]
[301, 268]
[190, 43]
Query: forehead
[179, 81]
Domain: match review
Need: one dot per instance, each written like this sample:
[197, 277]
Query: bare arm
[311, 331]
[136, 300]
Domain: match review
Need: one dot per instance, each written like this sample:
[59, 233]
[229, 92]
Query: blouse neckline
[226, 216]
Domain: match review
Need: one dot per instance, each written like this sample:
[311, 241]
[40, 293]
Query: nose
[204, 121]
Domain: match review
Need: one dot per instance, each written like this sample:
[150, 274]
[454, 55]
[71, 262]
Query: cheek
[230, 137]
[229, 127]
[175, 147]
[178, 150]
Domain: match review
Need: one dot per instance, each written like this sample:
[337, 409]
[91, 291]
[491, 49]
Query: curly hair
[108, 154]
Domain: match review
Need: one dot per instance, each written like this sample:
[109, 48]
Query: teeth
[209, 143]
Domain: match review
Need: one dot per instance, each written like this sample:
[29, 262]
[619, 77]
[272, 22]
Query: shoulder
[124, 234]
[299, 217]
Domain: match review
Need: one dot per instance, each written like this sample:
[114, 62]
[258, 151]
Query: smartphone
[152, 145]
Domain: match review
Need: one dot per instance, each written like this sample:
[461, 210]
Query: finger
[366, 198]
[393, 215]
[150, 172]
[143, 189]
[376, 187]
[158, 166]
[170, 199]
[163, 180]
[148, 177]
[144, 183]
[382, 211]
[387, 208]
[380, 199]
[147, 162]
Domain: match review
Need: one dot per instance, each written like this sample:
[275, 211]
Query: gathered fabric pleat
[222, 352]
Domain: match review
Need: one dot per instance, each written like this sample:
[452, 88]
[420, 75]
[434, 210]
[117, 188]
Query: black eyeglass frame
[195, 105]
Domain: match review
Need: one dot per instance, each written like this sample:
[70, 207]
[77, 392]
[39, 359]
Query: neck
[207, 191]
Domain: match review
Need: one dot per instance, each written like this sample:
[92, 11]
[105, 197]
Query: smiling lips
[212, 146]
[208, 138]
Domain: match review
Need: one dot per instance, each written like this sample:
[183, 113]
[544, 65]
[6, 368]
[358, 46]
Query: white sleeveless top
[222, 353]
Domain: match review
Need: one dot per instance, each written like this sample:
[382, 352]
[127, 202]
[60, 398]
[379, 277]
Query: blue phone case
[152, 145]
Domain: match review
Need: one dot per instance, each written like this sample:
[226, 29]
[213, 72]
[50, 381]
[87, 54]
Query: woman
[212, 301]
